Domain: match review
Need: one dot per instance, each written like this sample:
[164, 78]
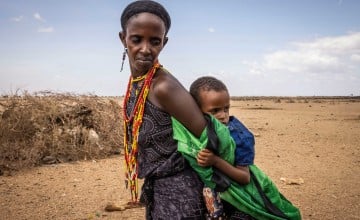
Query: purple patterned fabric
[171, 190]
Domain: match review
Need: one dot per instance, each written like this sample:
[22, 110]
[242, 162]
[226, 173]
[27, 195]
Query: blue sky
[257, 47]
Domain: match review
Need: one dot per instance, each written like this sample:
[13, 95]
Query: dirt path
[317, 141]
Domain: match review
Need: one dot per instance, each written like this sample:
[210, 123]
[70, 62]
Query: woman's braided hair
[149, 6]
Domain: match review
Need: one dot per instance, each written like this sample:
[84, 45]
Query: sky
[256, 47]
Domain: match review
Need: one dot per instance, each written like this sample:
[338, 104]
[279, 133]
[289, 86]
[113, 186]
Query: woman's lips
[143, 62]
[144, 59]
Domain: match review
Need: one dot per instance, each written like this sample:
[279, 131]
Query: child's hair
[206, 83]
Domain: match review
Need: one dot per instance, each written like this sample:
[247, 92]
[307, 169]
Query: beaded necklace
[132, 125]
[139, 78]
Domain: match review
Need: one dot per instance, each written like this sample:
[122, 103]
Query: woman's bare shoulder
[170, 95]
[165, 84]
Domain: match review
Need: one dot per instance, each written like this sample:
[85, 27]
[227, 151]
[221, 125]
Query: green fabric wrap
[189, 146]
[245, 198]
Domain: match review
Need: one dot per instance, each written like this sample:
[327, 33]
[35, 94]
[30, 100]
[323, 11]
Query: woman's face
[145, 38]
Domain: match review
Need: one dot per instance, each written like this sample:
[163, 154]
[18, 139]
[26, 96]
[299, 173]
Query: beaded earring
[123, 58]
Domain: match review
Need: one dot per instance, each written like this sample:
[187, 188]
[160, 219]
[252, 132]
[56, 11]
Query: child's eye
[219, 110]
[215, 111]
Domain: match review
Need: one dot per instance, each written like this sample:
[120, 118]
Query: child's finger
[200, 162]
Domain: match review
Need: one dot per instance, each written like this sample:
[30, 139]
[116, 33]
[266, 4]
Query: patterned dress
[172, 189]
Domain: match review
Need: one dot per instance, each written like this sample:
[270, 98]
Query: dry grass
[48, 127]
[298, 99]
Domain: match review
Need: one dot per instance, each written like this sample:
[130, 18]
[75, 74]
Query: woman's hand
[206, 158]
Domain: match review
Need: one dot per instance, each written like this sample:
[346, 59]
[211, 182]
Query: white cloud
[38, 17]
[211, 30]
[17, 19]
[46, 30]
[322, 66]
[328, 55]
[254, 67]
[355, 57]
[301, 61]
[335, 45]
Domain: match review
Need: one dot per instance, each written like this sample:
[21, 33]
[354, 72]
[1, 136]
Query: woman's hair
[149, 6]
[206, 83]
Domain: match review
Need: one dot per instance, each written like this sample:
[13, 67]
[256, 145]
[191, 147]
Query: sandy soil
[316, 140]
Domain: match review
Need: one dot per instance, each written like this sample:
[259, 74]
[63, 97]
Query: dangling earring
[123, 58]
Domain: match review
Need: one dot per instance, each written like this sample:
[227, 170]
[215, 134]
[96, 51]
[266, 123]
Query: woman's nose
[145, 48]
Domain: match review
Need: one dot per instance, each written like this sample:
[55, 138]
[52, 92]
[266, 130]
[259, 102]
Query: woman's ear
[122, 38]
[165, 41]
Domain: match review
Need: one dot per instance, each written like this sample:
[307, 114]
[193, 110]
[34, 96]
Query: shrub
[57, 127]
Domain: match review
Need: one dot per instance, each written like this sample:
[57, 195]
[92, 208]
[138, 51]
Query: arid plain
[310, 147]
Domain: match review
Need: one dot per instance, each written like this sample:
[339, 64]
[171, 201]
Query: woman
[171, 190]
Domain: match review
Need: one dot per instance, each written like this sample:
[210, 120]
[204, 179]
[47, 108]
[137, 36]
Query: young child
[213, 98]
[253, 195]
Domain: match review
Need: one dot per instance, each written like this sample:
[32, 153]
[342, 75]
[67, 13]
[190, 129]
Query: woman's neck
[138, 78]
[136, 74]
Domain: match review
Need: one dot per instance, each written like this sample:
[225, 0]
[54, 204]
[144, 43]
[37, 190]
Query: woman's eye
[156, 42]
[135, 39]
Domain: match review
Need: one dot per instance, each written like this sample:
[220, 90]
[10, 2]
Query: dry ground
[316, 140]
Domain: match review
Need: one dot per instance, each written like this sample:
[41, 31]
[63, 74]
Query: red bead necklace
[132, 125]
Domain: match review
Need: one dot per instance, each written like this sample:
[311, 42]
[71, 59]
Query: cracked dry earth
[310, 148]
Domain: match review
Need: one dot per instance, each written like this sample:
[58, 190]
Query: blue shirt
[245, 142]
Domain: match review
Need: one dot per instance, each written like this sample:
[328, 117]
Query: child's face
[216, 104]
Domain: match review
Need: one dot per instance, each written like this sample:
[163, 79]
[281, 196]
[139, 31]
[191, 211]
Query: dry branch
[57, 127]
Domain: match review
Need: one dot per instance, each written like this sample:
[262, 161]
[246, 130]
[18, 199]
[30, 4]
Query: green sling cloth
[245, 198]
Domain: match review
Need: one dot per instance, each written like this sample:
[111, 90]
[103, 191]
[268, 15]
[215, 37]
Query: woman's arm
[172, 97]
[240, 174]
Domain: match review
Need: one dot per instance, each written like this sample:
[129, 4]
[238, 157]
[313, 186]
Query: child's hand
[206, 158]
